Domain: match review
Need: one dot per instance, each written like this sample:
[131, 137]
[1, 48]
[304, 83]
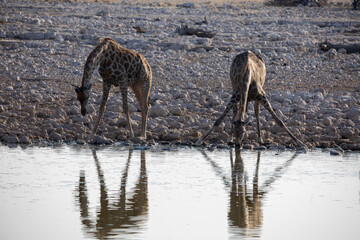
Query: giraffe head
[239, 130]
[82, 94]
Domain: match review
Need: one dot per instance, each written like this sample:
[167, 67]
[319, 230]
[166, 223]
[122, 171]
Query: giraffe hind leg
[142, 95]
[265, 102]
[126, 109]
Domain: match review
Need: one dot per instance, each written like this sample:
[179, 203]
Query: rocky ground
[44, 46]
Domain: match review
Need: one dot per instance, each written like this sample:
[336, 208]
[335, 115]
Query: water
[116, 193]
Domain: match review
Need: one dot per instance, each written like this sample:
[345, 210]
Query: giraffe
[246, 207]
[247, 74]
[124, 211]
[122, 68]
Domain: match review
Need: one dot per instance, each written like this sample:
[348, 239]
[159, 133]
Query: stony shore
[43, 48]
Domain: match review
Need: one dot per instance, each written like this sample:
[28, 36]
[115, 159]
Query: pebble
[99, 140]
[159, 111]
[24, 140]
[11, 139]
[54, 136]
[335, 152]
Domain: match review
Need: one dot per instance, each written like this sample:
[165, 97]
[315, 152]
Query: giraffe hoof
[302, 148]
[89, 139]
[198, 143]
[142, 138]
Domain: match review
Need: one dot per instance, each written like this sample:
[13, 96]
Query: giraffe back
[122, 66]
[117, 65]
[247, 63]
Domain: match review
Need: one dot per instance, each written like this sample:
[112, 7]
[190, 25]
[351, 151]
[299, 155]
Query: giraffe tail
[93, 61]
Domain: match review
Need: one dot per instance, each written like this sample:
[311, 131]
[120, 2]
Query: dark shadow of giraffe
[245, 207]
[121, 212]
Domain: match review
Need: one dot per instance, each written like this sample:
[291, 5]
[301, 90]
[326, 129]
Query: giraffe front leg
[265, 102]
[144, 111]
[235, 112]
[219, 120]
[257, 112]
[142, 94]
[126, 109]
[106, 90]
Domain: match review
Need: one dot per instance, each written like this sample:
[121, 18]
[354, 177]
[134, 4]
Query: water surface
[117, 193]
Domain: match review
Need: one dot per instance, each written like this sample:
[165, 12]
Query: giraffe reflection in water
[245, 208]
[122, 212]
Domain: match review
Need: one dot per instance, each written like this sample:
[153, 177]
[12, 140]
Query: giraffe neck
[243, 92]
[93, 61]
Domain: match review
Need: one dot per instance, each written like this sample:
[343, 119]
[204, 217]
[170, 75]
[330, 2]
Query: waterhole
[177, 193]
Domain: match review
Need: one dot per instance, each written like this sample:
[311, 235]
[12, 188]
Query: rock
[101, 140]
[29, 109]
[328, 121]
[160, 131]
[175, 110]
[248, 146]
[24, 140]
[102, 13]
[346, 133]
[274, 37]
[335, 152]
[60, 113]
[59, 38]
[171, 136]
[12, 139]
[342, 51]
[74, 110]
[222, 136]
[196, 134]
[122, 122]
[35, 21]
[138, 140]
[50, 35]
[204, 41]
[141, 147]
[32, 35]
[2, 108]
[3, 19]
[158, 111]
[186, 5]
[54, 136]
[9, 88]
[259, 148]
[332, 53]
[353, 114]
